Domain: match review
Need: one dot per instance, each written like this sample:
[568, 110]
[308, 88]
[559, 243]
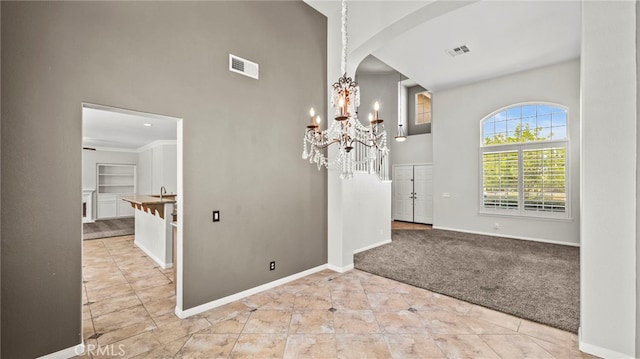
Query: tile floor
[129, 306]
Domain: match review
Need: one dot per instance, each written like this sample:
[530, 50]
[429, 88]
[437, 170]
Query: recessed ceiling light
[147, 124]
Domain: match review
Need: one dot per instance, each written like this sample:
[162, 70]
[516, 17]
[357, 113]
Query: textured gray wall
[241, 149]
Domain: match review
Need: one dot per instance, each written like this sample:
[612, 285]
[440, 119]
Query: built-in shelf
[114, 181]
[116, 178]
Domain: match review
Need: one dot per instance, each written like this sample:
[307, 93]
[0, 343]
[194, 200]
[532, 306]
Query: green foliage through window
[517, 174]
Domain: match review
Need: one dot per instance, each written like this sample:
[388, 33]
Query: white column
[608, 179]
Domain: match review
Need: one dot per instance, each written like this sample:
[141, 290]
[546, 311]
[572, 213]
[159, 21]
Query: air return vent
[458, 50]
[243, 67]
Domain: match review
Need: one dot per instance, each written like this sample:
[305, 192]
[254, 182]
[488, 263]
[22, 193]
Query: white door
[403, 193]
[423, 194]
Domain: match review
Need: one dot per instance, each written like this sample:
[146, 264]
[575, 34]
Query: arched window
[524, 161]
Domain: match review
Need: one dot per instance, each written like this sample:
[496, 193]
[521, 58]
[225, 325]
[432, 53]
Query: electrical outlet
[272, 265]
[496, 225]
[216, 216]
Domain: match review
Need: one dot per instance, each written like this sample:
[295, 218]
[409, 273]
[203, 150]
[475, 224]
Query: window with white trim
[524, 161]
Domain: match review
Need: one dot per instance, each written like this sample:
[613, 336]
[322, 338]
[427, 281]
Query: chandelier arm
[364, 144]
[327, 145]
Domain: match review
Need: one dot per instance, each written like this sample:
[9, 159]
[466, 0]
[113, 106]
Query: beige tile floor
[129, 305]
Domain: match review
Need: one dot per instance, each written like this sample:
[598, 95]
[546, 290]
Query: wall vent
[243, 66]
[458, 50]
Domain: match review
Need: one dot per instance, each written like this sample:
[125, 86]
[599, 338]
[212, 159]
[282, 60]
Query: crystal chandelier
[359, 147]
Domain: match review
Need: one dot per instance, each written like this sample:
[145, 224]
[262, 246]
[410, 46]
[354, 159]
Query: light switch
[216, 216]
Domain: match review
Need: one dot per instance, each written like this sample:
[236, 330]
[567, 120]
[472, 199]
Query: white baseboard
[494, 234]
[599, 351]
[350, 266]
[152, 256]
[372, 246]
[222, 301]
[340, 269]
[65, 353]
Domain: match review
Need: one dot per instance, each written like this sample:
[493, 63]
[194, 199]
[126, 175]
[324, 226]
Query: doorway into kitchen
[131, 178]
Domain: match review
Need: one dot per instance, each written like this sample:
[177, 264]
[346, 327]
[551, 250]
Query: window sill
[520, 216]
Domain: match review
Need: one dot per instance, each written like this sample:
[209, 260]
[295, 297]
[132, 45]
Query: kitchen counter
[153, 230]
[150, 204]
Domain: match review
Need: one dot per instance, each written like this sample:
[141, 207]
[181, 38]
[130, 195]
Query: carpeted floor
[108, 228]
[531, 280]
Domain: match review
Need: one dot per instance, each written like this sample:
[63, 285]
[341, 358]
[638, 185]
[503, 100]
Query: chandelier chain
[359, 147]
[345, 38]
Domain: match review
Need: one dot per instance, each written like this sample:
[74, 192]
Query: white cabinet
[114, 181]
[107, 207]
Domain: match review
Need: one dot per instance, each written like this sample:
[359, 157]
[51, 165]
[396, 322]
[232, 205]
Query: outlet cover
[272, 265]
[216, 216]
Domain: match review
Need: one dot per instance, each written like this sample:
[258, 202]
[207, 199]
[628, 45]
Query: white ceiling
[504, 36]
[109, 128]
[373, 65]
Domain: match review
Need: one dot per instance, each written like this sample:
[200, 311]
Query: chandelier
[360, 147]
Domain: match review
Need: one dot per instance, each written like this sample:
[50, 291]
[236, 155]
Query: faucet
[163, 191]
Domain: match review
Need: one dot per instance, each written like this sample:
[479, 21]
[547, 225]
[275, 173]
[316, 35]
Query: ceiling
[111, 128]
[504, 37]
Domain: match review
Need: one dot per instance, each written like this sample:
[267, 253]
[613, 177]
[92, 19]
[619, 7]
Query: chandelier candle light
[370, 142]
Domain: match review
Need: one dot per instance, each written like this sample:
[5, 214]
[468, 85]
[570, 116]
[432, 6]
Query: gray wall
[414, 129]
[456, 142]
[241, 148]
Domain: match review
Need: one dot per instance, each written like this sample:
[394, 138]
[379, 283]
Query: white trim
[372, 246]
[115, 149]
[152, 256]
[155, 143]
[509, 236]
[504, 214]
[600, 352]
[127, 111]
[179, 258]
[340, 269]
[231, 298]
[66, 353]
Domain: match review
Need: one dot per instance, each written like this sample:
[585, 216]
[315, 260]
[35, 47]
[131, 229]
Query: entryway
[413, 193]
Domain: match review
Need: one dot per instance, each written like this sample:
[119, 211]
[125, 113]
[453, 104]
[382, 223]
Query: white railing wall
[379, 167]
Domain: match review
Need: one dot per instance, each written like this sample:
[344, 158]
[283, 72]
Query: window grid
[423, 108]
[526, 123]
[521, 173]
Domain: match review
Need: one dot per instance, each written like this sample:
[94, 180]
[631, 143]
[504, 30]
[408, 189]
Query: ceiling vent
[458, 51]
[243, 67]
